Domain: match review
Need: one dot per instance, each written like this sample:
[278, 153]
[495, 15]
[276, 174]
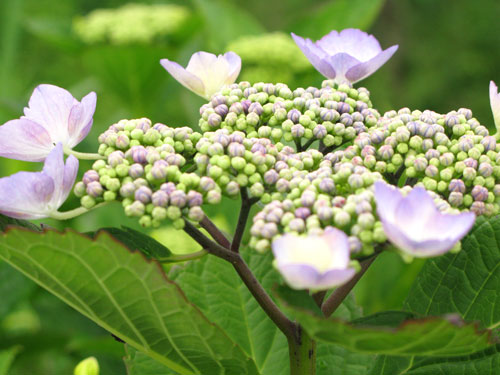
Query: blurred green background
[449, 50]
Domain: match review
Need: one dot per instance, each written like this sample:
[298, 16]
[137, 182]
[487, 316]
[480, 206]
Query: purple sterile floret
[415, 225]
[347, 56]
[53, 116]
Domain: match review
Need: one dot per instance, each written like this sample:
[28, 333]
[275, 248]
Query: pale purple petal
[339, 242]
[234, 62]
[387, 198]
[495, 103]
[360, 45]
[346, 56]
[185, 78]
[341, 63]
[365, 69]
[70, 172]
[26, 195]
[80, 119]
[315, 55]
[24, 140]
[415, 225]
[303, 276]
[50, 106]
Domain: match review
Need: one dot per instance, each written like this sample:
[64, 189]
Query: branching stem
[215, 232]
[246, 204]
[83, 155]
[337, 297]
[183, 257]
[259, 293]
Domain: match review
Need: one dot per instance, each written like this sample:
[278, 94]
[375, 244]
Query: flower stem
[302, 351]
[246, 204]
[215, 232]
[338, 296]
[83, 155]
[73, 213]
[183, 257]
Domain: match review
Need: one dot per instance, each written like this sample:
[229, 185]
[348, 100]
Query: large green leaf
[338, 15]
[138, 363]
[214, 286]
[467, 283]
[429, 337]
[126, 295]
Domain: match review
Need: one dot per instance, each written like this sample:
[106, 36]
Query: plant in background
[311, 168]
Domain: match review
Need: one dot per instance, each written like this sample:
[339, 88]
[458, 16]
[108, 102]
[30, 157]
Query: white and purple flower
[53, 116]
[347, 56]
[36, 195]
[415, 225]
[495, 104]
[206, 73]
[313, 262]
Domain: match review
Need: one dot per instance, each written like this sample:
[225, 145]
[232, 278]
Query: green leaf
[466, 283]
[430, 336]
[6, 358]
[214, 286]
[128, 296]
[136, 240]
[338, 15]
[6, 221]
[138, 363]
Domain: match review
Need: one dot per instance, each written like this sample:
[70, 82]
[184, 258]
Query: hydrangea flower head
[52, 116]
[347, 56]
[36, 195]
[206, 73]
[313, 262]
[415, 225]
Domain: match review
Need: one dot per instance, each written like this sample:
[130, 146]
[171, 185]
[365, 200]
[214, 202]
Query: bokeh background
[449, 50]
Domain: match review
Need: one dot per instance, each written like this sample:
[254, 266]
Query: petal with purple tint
[387, 198]
[495, 103]
[70, 172]
[50, 107]
[24, 140]
[80, 119]
[315, 55]
[415, 225]
[367, 68]
[360, 45]
[342, 63]
[25, 195]
[313, 262]
[185, 78]
[234, 62]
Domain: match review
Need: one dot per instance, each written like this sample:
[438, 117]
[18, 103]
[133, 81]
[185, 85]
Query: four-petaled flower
[35, 195]
[313, 262]
[495, 104]
[347, 56]
[206, 73]
[415, 225]
[53, 116]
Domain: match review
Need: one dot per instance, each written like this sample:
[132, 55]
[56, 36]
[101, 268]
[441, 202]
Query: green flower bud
[87, 201]
[88, 366]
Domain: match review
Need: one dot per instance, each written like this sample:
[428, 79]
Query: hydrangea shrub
[325, 182]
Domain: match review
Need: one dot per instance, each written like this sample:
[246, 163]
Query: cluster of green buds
[451, 154]
[330, 115]
[146, 168]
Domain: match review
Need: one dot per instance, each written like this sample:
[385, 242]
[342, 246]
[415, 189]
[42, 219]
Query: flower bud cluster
[451, 154]
[331, 115]
[145, 169]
